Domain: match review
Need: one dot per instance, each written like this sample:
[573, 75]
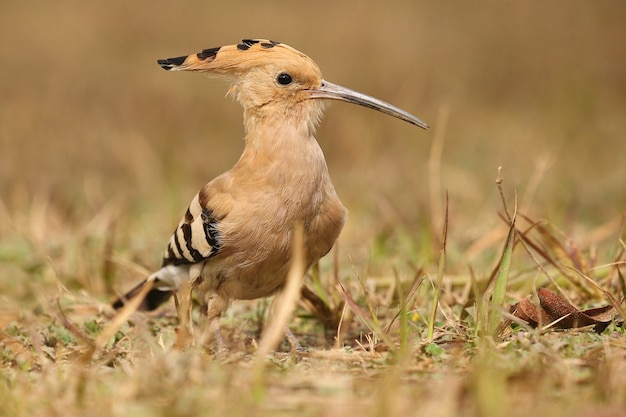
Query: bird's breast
[257, 234]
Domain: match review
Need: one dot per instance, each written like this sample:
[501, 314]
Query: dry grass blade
[342, 326]
[499, 290]
[371, 322]
[118, 321]
[561, 252]
[75, 331]
[417, 282]
[528, 244]
[361, 281]
[402, 312]
[499, 181]
[434, 165]
[622, 282]
[285, 302]
[616, 304]
[108, 266]
[440, 270]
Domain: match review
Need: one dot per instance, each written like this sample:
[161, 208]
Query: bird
[234, 240]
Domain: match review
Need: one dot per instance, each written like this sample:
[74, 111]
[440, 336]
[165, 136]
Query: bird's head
[271, 75]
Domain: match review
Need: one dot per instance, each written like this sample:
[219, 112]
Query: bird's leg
[219, 340]
[210, 314]
[211, 328]
[183, 308]
[293, 341]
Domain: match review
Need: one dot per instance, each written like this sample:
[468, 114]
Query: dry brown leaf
[554, 309]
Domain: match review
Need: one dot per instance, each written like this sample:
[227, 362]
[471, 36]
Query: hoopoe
[234, 241]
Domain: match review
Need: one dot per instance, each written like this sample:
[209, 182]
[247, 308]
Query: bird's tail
[165, 281]
[152, 301]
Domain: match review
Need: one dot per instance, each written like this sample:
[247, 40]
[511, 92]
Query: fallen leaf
[554, 309]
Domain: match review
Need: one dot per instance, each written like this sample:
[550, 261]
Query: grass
[100, 152]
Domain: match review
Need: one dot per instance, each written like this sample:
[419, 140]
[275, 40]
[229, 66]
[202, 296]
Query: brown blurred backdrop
[88, 120]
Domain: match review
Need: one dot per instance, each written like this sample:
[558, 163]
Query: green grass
[100, 151]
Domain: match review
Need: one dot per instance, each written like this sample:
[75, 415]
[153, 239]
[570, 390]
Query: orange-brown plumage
[234, 241]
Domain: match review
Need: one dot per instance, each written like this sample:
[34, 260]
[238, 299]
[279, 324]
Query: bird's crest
[232, 60]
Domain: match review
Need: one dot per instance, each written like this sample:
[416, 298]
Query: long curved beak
[336, 92]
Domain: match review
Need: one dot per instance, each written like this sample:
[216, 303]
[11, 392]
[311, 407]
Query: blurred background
[97, 141]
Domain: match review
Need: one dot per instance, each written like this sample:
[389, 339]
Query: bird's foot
[293, 341]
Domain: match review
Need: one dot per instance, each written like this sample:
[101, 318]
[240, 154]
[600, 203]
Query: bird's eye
[284, 78]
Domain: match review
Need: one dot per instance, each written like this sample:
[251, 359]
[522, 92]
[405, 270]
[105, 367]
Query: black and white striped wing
[197, 237]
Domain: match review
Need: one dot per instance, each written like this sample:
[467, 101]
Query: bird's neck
[282, 150]
[300, 119]
[277, 130]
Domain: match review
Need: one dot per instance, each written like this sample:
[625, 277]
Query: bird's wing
[197, 237]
